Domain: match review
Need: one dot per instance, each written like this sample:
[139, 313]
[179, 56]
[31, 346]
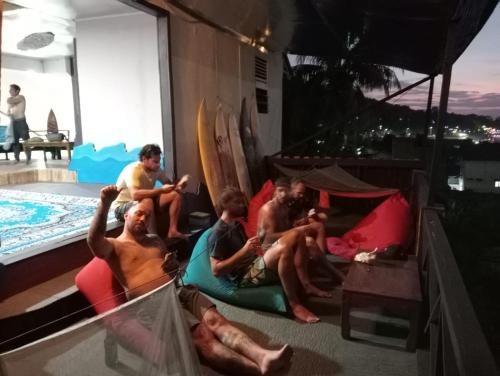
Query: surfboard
[254, 120]
[52, 123]
[249, 145]
[208, 153]
[259, 149]
[239, 158]
[224, 149]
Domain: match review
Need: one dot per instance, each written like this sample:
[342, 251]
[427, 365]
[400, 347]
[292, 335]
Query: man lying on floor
[276, 219]
[233, 256]
[139, 261]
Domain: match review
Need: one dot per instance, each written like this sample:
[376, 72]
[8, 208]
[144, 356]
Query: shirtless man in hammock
[140, 262]
[275, 220]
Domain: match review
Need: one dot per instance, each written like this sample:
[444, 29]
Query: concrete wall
[480, 176]
[209, 64]
[46, 84]
[119, 80]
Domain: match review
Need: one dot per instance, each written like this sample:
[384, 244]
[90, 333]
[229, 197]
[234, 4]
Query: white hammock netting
[146, 336]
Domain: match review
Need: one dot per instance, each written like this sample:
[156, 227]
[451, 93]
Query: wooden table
[387, 283]
[47, 145]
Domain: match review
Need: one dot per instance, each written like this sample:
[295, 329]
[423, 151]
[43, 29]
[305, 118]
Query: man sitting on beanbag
[233, 255]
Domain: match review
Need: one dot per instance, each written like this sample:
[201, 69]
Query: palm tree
[321, 91]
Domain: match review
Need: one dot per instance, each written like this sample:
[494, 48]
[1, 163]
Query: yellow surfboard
[239, 157]
[224, 149]
[208, 153]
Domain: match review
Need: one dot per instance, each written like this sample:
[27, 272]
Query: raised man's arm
[99, 244]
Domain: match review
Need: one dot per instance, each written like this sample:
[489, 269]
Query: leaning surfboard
[259, 149]
[52, 123]
[239, 157]
[208, 153]
[248, 142]
[224, 149]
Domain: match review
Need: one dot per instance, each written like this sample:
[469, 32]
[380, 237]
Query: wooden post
[438, 142]
[428, 113]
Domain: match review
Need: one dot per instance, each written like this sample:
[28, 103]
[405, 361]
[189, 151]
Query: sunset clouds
[475, 85]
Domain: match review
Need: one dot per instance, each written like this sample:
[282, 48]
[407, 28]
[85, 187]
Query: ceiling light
[36, 41]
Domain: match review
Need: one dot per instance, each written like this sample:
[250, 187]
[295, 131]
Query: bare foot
[303, 314]
[177, 234]
[314, 291]
[275, 360]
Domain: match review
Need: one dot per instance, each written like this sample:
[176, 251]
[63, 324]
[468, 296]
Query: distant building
[480, 168]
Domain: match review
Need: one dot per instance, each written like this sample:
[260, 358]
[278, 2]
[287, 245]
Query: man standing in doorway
[16, 109]
[137, 183]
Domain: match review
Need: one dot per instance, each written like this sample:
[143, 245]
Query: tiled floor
[22, 301]
[36, 162]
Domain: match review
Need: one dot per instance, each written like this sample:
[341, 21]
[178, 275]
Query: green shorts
[258, 275]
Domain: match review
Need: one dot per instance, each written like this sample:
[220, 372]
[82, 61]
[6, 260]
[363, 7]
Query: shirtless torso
[139, 266]
[137, 259]
[274, 219]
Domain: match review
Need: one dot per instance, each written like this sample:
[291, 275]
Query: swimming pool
[31, 222]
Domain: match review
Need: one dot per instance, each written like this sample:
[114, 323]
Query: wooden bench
[389, 284]
[54, 147]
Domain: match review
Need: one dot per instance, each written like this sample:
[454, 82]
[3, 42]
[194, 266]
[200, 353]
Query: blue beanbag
[269, 298]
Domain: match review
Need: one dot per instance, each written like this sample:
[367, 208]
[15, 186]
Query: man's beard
[296, 201]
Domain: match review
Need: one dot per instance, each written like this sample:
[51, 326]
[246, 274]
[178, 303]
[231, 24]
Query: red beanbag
[324, 200]
[97, 283]
[388, 224]
[264, 195]
[341, 248]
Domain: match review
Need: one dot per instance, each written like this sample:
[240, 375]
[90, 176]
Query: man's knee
[292, 236]
[148, 202]
[317, 227]
[323, 217]
[310, 242]
[166, 199]
[213, 319]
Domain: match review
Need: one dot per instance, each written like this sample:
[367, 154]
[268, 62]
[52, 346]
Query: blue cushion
[267, 298]
[3, 133]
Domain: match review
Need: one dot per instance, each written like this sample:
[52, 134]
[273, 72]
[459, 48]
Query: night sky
[475, 86]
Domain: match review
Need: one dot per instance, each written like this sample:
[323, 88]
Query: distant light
[263, 49]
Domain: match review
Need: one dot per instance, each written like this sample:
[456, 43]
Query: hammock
[336, 181]
[90, 348]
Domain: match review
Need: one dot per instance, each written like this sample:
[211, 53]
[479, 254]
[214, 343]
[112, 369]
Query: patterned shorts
[258, 275]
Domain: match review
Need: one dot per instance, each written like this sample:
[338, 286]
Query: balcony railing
[451, 331]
